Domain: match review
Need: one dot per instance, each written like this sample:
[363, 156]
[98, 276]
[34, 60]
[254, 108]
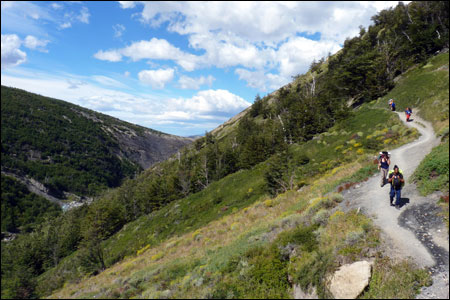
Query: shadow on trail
[421, 219]
[403, 202]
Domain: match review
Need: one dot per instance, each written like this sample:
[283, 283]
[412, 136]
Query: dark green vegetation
[432, 173]
[52, 142]
[71, 152]
[72, 149]
[21, 209]
[270, 149]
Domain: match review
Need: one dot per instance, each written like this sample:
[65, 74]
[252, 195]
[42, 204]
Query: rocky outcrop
[69, 201]
[147, 147]
[34, 186]
[350, 280]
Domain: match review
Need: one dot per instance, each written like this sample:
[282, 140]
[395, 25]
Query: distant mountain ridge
[53, 142]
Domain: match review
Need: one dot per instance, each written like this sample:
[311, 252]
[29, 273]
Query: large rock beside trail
[350, 280]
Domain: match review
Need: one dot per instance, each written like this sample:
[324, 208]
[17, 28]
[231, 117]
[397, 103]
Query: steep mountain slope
[68, 148]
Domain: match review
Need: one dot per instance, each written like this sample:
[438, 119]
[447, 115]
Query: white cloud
[118, 30]
[56, 6]
[156, 78]
[35, 44]
[10, 53]
[182, 116]
[261, 80]
[153, 49]
[84, 15]
[65, 25]
[112, 56]
[296, 55]
[206, 105]
[186, 82]
[262, 36]
[127, 4]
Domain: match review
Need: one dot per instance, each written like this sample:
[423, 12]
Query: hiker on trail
[396, 180]
[392, 104]
[383, 165]
[408, 112]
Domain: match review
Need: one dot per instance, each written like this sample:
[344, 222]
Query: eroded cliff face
[146, 147]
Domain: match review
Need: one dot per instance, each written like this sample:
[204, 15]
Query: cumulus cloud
[269, 39]
[156, 78]
[112, 56]
[153, 49]
[298, 53]
[35, 44]
[186, 82]
[264, 81]
[10, 53]
[209, 102]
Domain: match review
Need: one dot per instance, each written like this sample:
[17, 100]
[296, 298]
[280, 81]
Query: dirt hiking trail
[414, 229]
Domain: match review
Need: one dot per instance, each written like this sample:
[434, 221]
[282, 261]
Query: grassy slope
[222, 251]
[211, 234]
[425, 89]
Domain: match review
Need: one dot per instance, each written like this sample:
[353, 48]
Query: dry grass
[215, 235]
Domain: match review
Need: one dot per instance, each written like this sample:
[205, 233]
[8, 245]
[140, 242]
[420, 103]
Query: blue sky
[179, 67]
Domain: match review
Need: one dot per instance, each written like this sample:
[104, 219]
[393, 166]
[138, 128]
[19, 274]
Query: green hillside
[22, 209]
[250, 210]
[68, 153]
[66, 147]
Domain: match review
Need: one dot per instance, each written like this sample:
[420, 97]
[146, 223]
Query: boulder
[350, 280]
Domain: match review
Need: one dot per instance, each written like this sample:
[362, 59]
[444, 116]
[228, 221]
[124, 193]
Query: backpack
[396, 181]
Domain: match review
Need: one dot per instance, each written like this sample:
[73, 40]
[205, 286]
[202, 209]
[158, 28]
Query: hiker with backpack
[396, 180]
[408, 112]
[383, 166]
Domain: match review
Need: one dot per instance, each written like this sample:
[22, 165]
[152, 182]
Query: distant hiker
[392, 104]
[396, 180]
[408, 112]
[383, 165]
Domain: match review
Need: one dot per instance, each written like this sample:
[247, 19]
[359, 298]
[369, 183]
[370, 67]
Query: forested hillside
[327, 123]
[66, 152]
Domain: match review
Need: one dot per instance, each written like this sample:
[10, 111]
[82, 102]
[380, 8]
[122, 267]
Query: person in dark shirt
[396, 180]
[383, 166]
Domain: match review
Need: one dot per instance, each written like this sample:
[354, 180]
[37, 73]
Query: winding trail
[414, 230]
